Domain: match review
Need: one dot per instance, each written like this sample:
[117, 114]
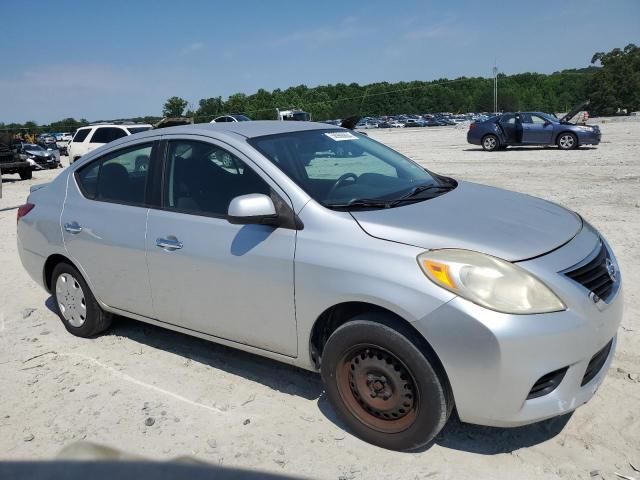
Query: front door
[230, 281]
[103, 223]
[536, 129]
[510, 129]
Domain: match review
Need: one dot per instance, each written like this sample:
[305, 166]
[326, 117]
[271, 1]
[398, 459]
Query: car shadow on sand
[295, 381]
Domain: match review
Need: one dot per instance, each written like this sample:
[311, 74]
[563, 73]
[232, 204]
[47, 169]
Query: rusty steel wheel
[385, 383]
[377, 388]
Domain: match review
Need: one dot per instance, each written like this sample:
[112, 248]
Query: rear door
[104, 225]
[230, 281]
[536, 130]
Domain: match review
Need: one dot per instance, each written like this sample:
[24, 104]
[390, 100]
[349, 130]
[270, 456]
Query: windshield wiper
[379, 203]
[411, 194]
[361, 203]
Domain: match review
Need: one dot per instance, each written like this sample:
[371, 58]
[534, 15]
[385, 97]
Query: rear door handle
[170, 244]
[73, 227]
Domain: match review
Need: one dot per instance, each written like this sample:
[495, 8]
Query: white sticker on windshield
[341, 136]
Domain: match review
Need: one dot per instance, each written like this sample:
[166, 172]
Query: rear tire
[26, 174]
[490, 143]
[77, 307]
[567, 141]
[383, 387]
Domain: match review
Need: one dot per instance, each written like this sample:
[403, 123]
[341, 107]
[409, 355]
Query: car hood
[504, 224]
[574, 111]
[38, 154]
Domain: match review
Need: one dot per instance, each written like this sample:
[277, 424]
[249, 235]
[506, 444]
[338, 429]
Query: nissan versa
[317, 246]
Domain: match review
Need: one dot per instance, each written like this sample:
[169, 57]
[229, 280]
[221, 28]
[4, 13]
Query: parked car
[316, 246]
[367, 124]
[37, 156]
[231, 118]
[532, 128]
[53, 150]
[88, 138]
[415, 122]
[62, 141]
[11, 162]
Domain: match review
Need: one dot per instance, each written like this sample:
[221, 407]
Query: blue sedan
[531, 128]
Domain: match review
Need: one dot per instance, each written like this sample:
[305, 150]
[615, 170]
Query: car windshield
[32, 148]
[548, 117]
[342, 168]
[241, 118]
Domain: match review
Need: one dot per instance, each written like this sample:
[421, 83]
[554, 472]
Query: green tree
[174, 107]
[617, 84]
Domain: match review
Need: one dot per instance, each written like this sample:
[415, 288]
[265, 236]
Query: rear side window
[107, 134]
[81, 135]
[119, 177]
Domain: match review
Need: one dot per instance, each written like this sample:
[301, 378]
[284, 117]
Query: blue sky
[110, 59]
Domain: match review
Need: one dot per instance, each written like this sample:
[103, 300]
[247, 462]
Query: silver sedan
[409, 291]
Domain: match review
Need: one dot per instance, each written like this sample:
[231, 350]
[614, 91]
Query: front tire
[567, 141]
[490, 143]
[77, 307]
[383, 387]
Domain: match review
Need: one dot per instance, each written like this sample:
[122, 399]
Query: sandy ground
[236, 409]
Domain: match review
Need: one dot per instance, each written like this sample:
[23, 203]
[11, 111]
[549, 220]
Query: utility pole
[495, 88]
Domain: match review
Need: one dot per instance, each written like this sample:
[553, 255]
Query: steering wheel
[340, 181]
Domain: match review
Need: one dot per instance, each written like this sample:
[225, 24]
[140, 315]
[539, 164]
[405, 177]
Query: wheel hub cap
[71, 301]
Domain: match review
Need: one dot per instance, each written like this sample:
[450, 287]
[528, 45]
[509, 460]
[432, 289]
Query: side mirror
[546, 123]
[252, 209]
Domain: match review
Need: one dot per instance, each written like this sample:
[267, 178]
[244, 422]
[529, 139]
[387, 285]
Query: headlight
[489, 281]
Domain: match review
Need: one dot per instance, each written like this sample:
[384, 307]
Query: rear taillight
[472, 126]
[23, 210]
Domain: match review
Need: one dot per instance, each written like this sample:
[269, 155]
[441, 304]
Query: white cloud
[318, 37]
[437, 31]
[194, 47]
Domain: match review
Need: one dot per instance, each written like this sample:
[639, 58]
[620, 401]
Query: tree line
[612, 82]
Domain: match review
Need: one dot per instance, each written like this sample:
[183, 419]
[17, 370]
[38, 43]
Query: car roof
[119, 125]
[252, 129]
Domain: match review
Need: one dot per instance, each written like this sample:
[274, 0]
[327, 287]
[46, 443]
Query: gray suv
[317, 246]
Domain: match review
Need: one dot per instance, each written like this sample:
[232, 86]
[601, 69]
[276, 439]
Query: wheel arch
[50, 265]
[341, 313]
[566, 130]
[493, 134]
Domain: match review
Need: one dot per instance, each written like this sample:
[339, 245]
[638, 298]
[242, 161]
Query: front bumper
[589, 137]
[493, 360]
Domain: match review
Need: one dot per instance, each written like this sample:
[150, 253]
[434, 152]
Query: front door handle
[171, 243]
[73, 227]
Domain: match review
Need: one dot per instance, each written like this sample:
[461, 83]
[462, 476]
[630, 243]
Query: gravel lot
[236, 409]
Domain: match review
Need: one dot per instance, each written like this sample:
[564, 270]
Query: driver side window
[537, 120]
[203, 178]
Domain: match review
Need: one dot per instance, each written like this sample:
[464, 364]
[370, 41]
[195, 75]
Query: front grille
[547, 383]
[594, 275]
[596, 363]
